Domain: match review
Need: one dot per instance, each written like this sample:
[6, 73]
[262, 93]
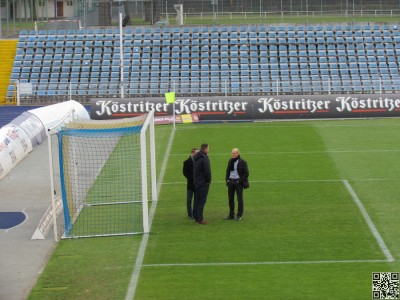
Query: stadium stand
[7, 56]
[226, 60]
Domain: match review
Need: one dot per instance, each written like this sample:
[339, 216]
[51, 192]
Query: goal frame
[149, 122]
[147, 148]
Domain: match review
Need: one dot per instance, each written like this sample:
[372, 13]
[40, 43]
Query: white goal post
[49, 218]
[107, 171]
[58, 25]
[179, 13]
[149, 122]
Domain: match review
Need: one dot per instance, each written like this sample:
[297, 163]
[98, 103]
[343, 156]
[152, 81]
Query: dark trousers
[189, 195]
[235, 187]
[199, 202]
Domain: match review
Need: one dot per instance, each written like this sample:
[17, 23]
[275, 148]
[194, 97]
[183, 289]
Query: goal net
[58, 25]
[107, 171]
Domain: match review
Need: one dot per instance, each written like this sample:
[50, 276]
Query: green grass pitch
[302, 235]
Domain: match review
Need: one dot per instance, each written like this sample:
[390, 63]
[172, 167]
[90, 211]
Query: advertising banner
[32, 126]
[28, 130]
[254, 108]
[15, 144]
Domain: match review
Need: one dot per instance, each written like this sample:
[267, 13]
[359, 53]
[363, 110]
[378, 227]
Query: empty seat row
[293, 60]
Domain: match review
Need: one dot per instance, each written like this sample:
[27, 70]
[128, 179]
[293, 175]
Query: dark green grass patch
[265, 19]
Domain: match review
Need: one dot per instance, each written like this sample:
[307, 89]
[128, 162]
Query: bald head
[235, 152]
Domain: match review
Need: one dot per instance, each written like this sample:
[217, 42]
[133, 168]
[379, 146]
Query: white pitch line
[143, 245]
[309, 262]
[304, 152]
[292, 181]
[369, 221]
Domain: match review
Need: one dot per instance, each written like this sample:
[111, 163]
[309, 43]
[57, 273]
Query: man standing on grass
[188, 173]
[237, 174]
[202, 181]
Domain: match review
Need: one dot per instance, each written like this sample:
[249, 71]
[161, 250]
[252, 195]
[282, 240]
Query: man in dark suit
[237, 174]
[202, 181]
[190, 190]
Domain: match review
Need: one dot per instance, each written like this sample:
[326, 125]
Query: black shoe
[238, 218]
[190, 217]
[229, 218]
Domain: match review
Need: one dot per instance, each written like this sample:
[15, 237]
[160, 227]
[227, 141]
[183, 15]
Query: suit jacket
[242, 170]
[202, 170]
[188, 173]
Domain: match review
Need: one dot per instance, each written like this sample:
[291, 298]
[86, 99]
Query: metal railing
[11, 25]
[84, 91]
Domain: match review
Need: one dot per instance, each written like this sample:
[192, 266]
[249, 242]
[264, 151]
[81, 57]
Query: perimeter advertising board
[253, 108]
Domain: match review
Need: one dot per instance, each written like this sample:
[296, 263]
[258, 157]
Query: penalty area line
[369, 221]
[143, 245]
[309, 262]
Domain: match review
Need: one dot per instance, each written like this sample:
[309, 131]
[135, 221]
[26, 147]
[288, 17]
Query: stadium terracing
[205, 61]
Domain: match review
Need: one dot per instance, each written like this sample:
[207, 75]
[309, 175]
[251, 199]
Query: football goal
[107, 171]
